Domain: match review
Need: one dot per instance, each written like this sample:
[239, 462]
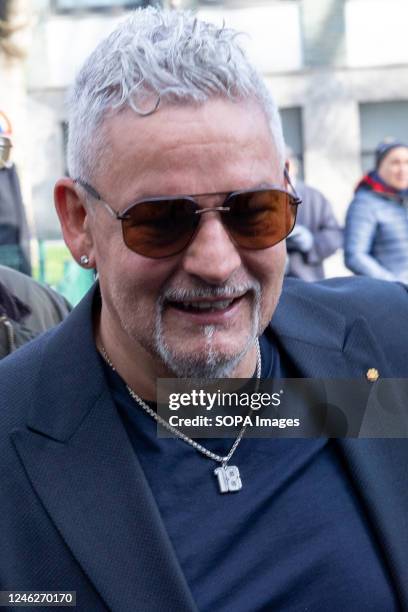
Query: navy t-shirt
[294, 538]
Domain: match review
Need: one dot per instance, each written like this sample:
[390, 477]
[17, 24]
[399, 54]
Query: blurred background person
[376, 236]
[14, 233]
[316, 235]
[27, 308]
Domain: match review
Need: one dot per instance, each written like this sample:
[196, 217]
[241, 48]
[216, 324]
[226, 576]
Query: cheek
[131, 278]
[390, 173]
[268, 267]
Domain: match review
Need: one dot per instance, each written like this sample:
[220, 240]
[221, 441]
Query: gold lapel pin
[372, 374]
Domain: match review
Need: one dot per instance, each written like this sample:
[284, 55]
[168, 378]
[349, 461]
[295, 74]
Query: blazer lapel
[319, 345]
[80, 462]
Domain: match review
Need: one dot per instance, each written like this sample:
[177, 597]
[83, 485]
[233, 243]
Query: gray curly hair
[170, 55]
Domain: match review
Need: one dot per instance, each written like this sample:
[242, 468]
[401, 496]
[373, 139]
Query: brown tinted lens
[160, 228]
[260, 219]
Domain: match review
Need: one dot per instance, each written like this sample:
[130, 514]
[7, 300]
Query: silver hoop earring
[84, 260]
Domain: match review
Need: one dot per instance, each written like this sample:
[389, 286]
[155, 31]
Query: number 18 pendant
[229, 479]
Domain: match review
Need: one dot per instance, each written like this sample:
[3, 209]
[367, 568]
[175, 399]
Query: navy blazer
[76, 512]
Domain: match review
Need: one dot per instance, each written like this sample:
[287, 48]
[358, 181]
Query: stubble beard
[210, 362]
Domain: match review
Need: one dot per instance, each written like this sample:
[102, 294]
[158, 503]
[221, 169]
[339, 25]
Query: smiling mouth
[205, 305]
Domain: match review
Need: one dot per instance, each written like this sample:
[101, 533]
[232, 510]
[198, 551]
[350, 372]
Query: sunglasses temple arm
[92, 192]
[110, 210]
[88, 188]
[287, 177]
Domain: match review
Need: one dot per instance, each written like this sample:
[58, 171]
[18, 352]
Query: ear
[74, 219]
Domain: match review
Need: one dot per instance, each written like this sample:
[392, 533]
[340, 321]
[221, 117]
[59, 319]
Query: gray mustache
[179, 294]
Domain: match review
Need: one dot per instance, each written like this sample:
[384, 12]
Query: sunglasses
[163, 226]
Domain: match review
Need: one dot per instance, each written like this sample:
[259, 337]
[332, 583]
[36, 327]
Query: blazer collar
[70, 374]
[299, 318]
[320, 343]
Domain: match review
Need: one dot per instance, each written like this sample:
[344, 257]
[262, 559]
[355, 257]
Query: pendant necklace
[228, 476]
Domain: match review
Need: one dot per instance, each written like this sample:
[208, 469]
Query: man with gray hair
[179, 197]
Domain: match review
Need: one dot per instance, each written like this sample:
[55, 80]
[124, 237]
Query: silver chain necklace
[228, 476]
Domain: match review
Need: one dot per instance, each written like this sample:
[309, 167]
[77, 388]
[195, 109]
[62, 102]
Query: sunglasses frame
[123, 216]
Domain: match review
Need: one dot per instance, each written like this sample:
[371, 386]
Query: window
[379, 120]
[375, 31]
[4, 10]
[293, 134]
[101, 5]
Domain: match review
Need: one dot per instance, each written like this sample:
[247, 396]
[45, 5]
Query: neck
[140, 369]
[133, 364]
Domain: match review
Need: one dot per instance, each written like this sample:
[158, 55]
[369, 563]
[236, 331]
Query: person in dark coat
[316, 235]
[27, 309]
[14, 232]
[376, 236]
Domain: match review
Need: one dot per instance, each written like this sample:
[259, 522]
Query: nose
[211, 256]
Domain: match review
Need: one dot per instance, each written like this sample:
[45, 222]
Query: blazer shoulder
[354, 296]
[48, 308]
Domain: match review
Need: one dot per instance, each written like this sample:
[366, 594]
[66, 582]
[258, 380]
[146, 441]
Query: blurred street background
[338, 70]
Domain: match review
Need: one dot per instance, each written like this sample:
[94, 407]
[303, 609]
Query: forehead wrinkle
[183, 158]
[164, 155]
[175, 124]
[174, 186]
[166, 176]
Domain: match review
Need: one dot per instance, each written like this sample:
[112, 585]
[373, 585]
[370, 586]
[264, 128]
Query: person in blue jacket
[317, 233]
[376, 232]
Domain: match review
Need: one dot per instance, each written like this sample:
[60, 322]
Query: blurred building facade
[15, 27]
[337, 68]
